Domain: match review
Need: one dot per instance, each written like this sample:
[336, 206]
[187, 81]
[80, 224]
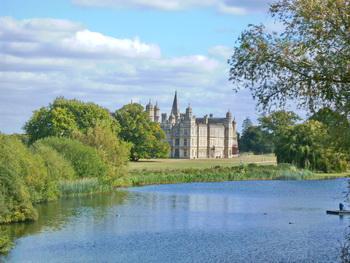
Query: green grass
[172, 164]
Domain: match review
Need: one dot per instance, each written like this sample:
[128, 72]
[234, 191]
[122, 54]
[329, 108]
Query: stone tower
[156, 113]
[150, 111]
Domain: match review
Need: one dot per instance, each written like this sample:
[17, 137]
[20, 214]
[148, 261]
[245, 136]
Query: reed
[83, 186]
[220, 174]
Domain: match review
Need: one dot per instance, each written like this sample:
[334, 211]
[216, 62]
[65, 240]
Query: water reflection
[277, 221]
[54, 215]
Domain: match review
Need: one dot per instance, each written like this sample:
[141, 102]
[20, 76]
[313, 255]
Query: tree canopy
[146, 137]
[63, 117]
[308, 145]
[308, 61]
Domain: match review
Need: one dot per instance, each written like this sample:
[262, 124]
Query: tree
[84, 159]
[111, 149]
[255, 140]
[146, 137]
[276, 123]
[338, 128]
[64, 117]
[246, 124]
[307, 146]
[307, 61]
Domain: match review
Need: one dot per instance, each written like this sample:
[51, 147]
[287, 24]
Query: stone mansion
[196, 138]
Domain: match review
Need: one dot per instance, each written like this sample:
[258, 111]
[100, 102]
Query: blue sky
[114, 51]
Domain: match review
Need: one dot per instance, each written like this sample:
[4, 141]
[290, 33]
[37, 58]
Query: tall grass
[217, 174]
[83, 186]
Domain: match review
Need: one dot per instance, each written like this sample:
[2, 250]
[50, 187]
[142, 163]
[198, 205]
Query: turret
[188, 112]
[150, 111]
[229, 116]
[164, 117]
[156, 113]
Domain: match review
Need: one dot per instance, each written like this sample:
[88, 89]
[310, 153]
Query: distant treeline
[321, 143]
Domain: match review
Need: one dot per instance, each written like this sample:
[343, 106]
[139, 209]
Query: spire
[175, 108]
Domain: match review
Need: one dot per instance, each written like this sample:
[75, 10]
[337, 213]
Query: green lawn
[175, 164]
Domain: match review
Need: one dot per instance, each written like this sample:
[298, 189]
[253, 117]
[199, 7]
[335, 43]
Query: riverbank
[154, 172]
[140, 177]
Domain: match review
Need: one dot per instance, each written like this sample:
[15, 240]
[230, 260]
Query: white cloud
[62, 38]
[236, 7]
[94, 43]
[40, 62]
[221, 51]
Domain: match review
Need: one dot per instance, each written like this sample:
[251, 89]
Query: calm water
[264, 221]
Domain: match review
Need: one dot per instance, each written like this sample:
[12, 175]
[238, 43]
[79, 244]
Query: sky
[112, 52]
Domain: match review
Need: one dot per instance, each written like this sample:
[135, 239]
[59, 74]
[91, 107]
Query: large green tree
[146, 137]
[308, 145]
[338, 128]
[308, 61]
[255, 140]
[64, 117]
[275, 124]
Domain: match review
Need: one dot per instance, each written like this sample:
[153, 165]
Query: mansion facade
[196, 138]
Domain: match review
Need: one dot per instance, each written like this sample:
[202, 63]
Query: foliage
[255, 140]
[15, 200]
[112, 150]
[5, 241]
[277, 121]
[84, 159]
[338, 128]
[146, 137]
[247, 123]
[64, 117]
[307, 145]
[17, 158]
[307, 61]
[57, 167]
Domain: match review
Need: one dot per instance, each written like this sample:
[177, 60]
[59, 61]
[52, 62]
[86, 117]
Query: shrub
[57, 167]
[113, 151]
[84, 159]
[15, 204]
[19, 160]
[5, 241]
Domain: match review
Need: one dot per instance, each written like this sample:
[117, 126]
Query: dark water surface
[248, 221]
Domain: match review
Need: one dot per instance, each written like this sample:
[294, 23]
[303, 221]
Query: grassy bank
[139, 177]
[175, 164]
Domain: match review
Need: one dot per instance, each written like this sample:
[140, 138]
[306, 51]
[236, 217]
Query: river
[245, 221]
